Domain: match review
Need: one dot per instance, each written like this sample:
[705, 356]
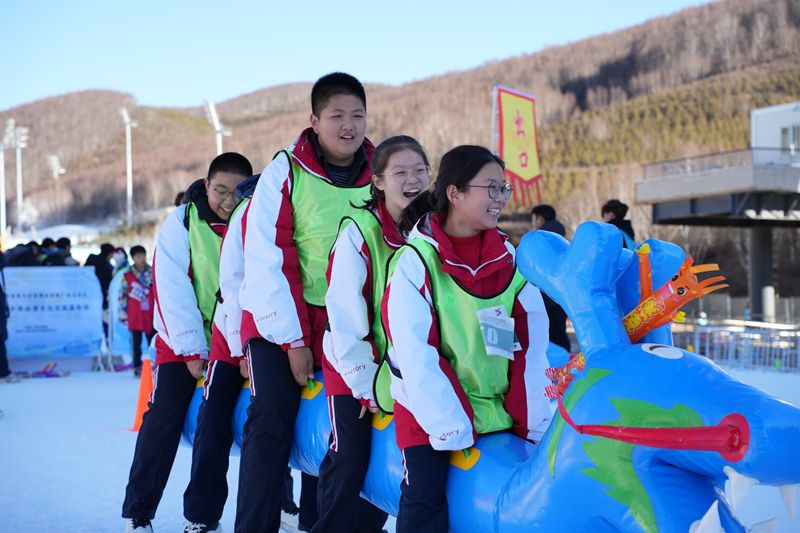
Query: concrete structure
[757, 188]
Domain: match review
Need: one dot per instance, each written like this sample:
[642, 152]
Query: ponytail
[422, 204]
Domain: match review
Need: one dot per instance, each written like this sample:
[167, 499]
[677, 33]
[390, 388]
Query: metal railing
[756, 157]
[745, 347]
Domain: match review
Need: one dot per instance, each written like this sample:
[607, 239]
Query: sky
[178, 53]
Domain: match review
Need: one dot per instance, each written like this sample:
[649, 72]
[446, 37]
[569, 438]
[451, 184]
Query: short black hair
[334, 84]
[106, 249]
[47, 242]
[616, 207]
[547, 212]
[231, 162]
[63, 243]
[138, 249]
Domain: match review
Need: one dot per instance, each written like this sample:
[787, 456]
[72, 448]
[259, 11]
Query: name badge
[497, 329]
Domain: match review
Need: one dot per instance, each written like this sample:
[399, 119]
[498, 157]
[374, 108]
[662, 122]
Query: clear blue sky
[176, 53]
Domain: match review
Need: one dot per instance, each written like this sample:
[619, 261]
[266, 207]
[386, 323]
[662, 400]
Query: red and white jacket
[177, 319]
[431, 406]
[226, 340]
[271, 295]
[351, 359]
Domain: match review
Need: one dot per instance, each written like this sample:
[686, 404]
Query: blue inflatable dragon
[645, 435]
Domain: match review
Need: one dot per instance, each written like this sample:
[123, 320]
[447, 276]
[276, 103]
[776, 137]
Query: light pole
[57, 170]
[20, 142]
[7, 141]
[129, 159]
[219, 129]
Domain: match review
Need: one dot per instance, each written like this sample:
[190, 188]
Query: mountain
[671, 87]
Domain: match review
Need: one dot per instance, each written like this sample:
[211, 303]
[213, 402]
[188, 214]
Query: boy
[185, 281]
[136, 303]
[289, 228]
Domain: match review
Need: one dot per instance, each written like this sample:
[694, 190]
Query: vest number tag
[497, 329]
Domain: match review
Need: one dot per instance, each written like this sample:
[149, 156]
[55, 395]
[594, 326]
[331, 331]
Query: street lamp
[129, 159]
[20, 142]
[7, 142]
[219, 129]
[57, 170]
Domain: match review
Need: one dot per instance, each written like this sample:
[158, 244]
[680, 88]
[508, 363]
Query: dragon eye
[663, 351]
[681, 291]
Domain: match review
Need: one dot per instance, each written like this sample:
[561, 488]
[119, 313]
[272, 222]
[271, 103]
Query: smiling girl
[355, 340]
[467, 334]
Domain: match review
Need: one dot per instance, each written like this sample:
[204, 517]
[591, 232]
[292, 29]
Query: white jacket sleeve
[424, 389]
[539, 409]
[272, 290]
[231, 273]
[349, 351]
[177, 315]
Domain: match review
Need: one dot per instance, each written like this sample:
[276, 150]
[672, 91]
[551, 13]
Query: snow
[66, 448]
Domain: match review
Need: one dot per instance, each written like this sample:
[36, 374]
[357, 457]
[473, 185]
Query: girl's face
[404, 177]
[478, 206]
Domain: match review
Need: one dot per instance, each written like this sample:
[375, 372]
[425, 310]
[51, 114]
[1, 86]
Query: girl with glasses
[466, 334]
[354, 341]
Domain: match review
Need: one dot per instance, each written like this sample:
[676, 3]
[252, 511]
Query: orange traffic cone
[145, 390]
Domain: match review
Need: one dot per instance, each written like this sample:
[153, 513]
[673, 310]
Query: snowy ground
[66, 450]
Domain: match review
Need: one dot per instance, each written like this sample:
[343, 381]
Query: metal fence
[746, 347]
[756, 157]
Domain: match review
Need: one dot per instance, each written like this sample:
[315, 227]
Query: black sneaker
[138, 525]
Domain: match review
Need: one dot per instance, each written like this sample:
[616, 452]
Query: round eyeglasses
[496, 190]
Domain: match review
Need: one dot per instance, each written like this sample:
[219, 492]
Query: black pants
[158, 440]
[343, 470]
[4, 370]
[268, 436]
[136, 346]
[423, 492]
[207, 491]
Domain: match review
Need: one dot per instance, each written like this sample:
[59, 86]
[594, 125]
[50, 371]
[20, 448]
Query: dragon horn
[709, 290]
[710, 267]
[710, 281]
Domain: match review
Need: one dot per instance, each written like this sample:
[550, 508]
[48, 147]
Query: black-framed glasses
[495, 190]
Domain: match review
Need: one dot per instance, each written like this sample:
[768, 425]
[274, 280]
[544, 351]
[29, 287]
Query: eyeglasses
[405, 173]
[495, 190]
[222, 195]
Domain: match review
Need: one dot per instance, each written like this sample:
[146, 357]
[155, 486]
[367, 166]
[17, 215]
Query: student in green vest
[467, 334]
[289, 228]
[355, 343]
[185, 283]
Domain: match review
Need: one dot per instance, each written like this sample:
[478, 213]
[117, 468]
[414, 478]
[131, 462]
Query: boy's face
[140, 260]
[341, 126]
[221, 189]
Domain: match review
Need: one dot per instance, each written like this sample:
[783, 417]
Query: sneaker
[289, 522]
[138, 525]
[11, 378]
[197, 527]
[137, 371]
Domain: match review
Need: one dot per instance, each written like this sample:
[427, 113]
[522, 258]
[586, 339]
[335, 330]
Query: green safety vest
[484, 378]
[318, 206]
[204, 244]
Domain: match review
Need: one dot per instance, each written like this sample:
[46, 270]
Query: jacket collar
[306, 153]
[496, 252]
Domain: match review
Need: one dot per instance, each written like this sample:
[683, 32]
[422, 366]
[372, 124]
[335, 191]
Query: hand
[372, 408]
[196, 367]
[244, 368]
[301, 362]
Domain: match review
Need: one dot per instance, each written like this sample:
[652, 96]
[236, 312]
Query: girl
[467, 335]
[353, 346]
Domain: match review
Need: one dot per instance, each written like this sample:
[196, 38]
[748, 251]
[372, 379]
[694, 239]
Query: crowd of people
[344, 257]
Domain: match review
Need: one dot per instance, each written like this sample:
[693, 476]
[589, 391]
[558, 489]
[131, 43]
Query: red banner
[518, 145]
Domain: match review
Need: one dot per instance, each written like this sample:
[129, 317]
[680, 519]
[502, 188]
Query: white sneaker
[197, 527]
[138, 525]
[11, 378]
[289, 522]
